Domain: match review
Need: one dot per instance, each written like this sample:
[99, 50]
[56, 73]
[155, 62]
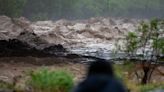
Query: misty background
[81, 9]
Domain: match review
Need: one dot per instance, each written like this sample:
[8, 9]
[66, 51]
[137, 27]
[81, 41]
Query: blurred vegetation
[124, 71]
[50, 81]
[150, 87]
[46, 80]
[73, 9]
[12, 8]
[4, 85]
[145, 48]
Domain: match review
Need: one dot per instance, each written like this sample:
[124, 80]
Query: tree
[145, 47]
[11, 8]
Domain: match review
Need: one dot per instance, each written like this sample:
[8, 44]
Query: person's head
[100, 67]
[100, 78]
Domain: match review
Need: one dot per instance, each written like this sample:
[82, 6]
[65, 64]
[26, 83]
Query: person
[100, 78]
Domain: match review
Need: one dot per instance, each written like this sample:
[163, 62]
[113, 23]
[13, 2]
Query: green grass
[50, 81]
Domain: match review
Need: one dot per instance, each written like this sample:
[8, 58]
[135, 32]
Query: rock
[15, 47]
[32, 39]
[55, 48]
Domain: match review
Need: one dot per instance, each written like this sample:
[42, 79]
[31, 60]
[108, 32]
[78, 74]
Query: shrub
[50, 81]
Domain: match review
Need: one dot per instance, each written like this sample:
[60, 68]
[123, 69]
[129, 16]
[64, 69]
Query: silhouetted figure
[100, 78]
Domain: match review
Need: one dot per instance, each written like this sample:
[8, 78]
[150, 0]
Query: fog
[82, 9]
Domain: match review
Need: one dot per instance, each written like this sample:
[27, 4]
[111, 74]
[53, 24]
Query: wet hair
[100, 67]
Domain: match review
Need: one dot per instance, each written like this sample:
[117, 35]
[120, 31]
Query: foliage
[146, 45]
[51, 81]
[123, 72]
[118, 70]
[12, 8]
[148, 36]
[132, 42]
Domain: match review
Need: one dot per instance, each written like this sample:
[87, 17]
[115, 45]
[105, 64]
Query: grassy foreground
[59, 80]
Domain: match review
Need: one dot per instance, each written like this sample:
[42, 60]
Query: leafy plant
[132, 41]
[145, 48]
[50, 81]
